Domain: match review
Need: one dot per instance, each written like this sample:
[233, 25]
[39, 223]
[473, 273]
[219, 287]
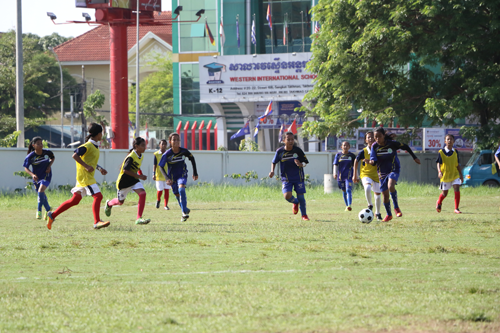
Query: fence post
[193, 135]
[178, 130]
[208, 134]
[200, 135]
[186, 134]
[216, 143]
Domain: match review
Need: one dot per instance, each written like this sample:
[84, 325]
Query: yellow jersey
[449, 167]
[366, 169]
[91, 157]
[133, 163]
[159, 175]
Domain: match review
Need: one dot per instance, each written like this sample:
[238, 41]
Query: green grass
[244, 263]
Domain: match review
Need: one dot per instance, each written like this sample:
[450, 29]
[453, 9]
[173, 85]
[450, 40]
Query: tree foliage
[155, 95]
[406, 59]
[96, 101]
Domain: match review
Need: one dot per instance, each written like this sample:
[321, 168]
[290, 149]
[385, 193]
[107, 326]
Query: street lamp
[62, 100]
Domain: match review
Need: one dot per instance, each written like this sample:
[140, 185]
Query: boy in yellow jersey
[129, 180]
[161, 182]
[368, 175]
[450, 172]
[86, 157]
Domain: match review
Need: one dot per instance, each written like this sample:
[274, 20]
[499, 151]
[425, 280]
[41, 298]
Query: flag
[285, 32]
[256, 131]
[268, 16]
[282, 131]
[238, 31]
[293, 127]
[316, 27]
[245, 130]
[147, 134]
[269, 110]
[221, 32]
[132, 127]
[209, 33]
[254, 40]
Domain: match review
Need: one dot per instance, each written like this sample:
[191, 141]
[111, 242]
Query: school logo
[389, 151]
[295, 155]
[350, 158]
[301, 185]
[215, 72]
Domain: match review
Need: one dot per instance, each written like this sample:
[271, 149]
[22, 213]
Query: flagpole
[271, 17]
[222, 22]
[238, 31]
[286, 32]
[253, 26]
[302, 26]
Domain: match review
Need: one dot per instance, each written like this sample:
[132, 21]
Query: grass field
[244, 263]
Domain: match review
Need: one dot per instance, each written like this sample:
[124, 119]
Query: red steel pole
[215, 137]
[193, 135]
[208, 134]
[186, 134]
[200, 135]
[178, 130]
[119, 85]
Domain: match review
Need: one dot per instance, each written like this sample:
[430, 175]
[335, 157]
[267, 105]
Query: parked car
[478, 170]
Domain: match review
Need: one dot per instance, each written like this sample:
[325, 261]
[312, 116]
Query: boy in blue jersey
[177, 172]
[497, 157]
[384, 155]
[292, 162]
[41, 161]
[343, 170]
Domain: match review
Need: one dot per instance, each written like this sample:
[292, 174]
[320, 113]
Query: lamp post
[137, 75]
[62, 99]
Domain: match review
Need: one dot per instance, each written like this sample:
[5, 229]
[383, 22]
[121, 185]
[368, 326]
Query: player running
[41, 161]
[343, 171]
[292, 162]
[161, 183]
[384, 155]
[449, 172]
[129, 180]
[177, 172]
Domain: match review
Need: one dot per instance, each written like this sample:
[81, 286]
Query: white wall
[212, 166]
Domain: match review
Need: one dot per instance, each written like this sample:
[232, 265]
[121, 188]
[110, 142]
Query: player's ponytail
[94, 130]
[137, 142]
[33, 141]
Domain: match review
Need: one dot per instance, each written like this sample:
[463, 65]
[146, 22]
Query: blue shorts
[177, 182]
[45, 181]
[384, 182]
[344, 184]
[300, 187]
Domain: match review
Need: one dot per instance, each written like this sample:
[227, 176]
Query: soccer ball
[366, 215]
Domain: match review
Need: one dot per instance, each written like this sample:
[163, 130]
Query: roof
[94, 44]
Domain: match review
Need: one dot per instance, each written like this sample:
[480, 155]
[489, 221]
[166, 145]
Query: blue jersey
[386, 156]
[39, 163]
[497, 153]
[345, 163]
[290, 171]
[175, 163]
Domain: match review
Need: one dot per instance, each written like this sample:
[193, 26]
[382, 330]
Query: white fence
[212, 166]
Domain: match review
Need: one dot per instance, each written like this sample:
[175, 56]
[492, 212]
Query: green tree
[52, 41]
[406, 59]
[96, 101]
[155, 95]
[41, 80]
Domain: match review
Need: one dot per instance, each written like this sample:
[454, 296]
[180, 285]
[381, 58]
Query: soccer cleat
[166, 208]
[379, 217]
[305, 217]
[50, 220]
[398, 212]
[348, 209]
[107, 209]
[295, 208]
[438, 207]
[185, 216]
[46, 215]
[457, 211]
[142, 221]
[38, 215]
[101, 224]
[387, 218]
[370, 207]
[157, 204]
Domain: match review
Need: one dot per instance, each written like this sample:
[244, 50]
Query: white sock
[368, 194]
[378, 202]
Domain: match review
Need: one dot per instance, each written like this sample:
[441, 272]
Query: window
[190, 90]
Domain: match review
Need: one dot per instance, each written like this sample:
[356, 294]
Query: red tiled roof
[94, 44]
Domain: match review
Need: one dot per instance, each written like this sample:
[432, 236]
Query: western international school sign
[249, 78]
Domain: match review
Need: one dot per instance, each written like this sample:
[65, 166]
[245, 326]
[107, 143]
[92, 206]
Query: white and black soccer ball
[366, 215]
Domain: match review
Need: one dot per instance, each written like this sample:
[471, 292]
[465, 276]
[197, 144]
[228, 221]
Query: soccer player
[368, 175]
[384, 155]
[449, 172]
[292, 162]
[497, 157]
[161, 183]
[86, 157]
[129, 180]
[177, 172]
[343, 171]
[41, 161]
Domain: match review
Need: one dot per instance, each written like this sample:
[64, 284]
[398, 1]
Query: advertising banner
[255, 78]
[433, 138]
[461, 143]
[415, 144]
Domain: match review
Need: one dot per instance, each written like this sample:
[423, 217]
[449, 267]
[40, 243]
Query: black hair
[347, 143]
[451, 136]
[35, 139]
[94, 130]
[137, 141]
[369, 132]
[387, 136]
[163, 140]
[172, 135]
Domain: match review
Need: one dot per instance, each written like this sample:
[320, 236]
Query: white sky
[36, 21]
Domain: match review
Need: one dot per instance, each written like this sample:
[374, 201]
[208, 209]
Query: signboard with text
[255, 78]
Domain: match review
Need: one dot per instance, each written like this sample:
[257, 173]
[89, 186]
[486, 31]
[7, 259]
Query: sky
[36, 21]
